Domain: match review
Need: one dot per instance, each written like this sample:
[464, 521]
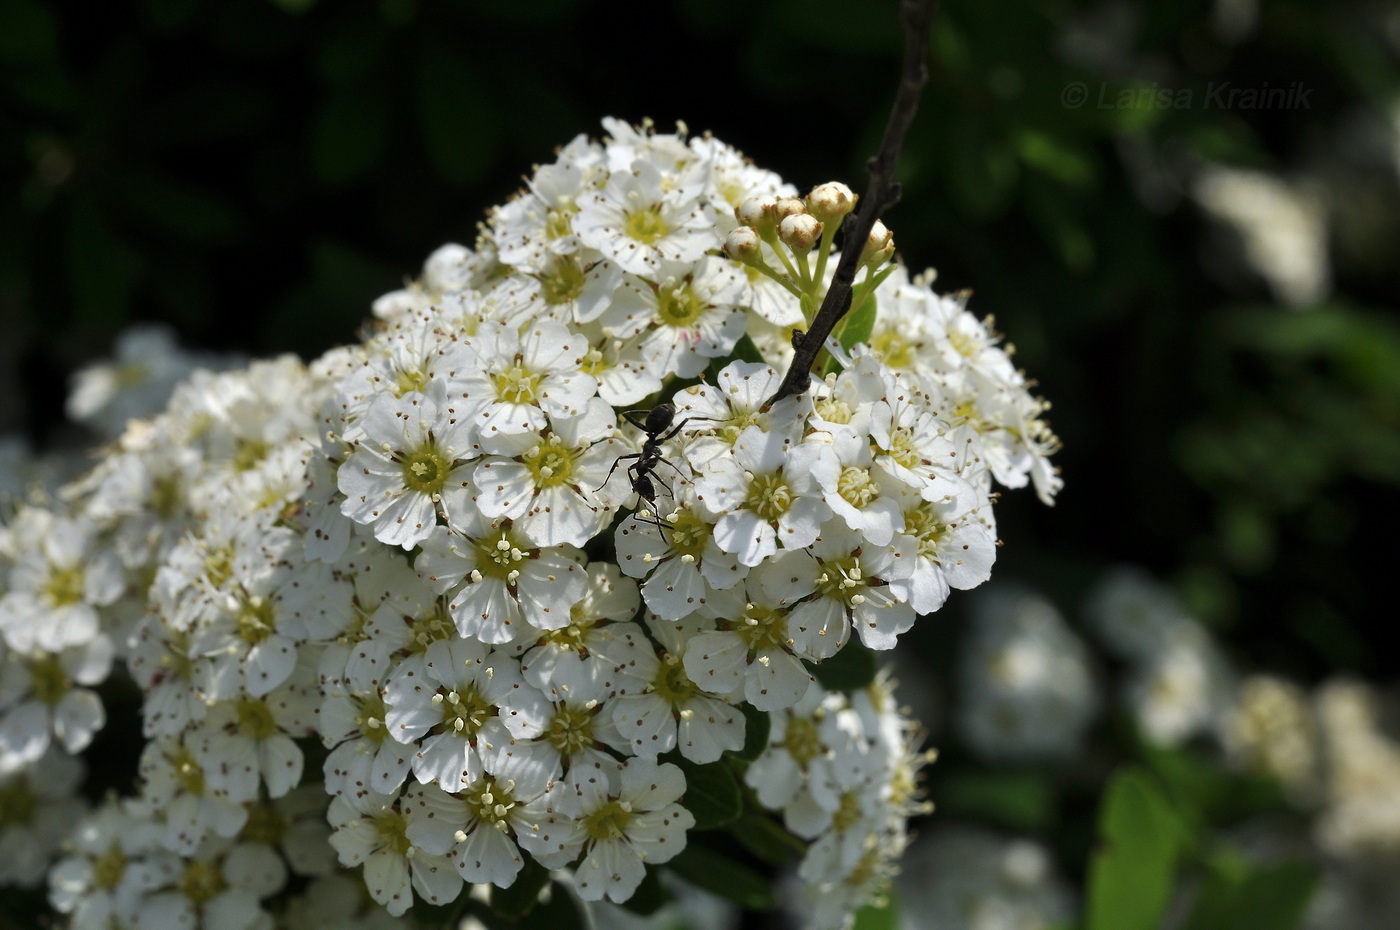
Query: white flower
[556, 486]
[38, 807]
[522, 379]
[499, 581]
[682, 563]
[954, 539]
[370, 830]
[351, 723]
[39, 702]
[674, 711]
[1026, 689]
[853, 583]
[114, 857]
[626, 817]
[764, 494]
[641, 220]
[475, 827]
[411, 460]
[59, 579]
[751, 652]
[718, 414]
[249, 741]
[688, 316]
[220, 885]
[174, 783]
[462, 703]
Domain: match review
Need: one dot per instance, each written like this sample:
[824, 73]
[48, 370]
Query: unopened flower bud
[879, 248]
[756, 211]
[831, 201]
[788, 206]
[743, 245]
[800, 231]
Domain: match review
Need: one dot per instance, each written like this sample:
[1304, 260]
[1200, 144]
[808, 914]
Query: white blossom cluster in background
[508, 612]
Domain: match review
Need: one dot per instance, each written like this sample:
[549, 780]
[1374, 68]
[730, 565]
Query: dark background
[255, 173]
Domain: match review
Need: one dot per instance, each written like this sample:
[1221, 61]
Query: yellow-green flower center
[167, 497]
[430, 627]
[847, 812]
[679, 306]
[902, 448]
[551, 463]
[645, 226]
[425, 470]
[608, 822]
[563, 282]
[65, 586]
[249, 453]
[843, 580]
[109, 868]
[501, 555]
[559, 221]
[769, 496]
[571, 730]
[49, 679]
[763, 627]
[265, 825]
[892, 348]
[218, 567]
[730, 429]
[370, 711]
[802, 740]
[202, 882]
[857, 487]
[256, 620]
[390, 825]
[189, 775]
[255, 719]
[923, 525]
[516, 384]
[17, 803]
[406, 381]
[689, 534]
[464, 712]
[671, 683]
[490, 802]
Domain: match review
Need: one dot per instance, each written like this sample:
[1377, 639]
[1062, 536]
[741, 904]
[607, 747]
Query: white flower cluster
[513, 611]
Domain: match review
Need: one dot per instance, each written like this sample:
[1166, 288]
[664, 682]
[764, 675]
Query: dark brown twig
[882, 193]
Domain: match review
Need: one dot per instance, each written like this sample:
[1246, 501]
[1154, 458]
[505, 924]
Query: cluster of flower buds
[534, 629]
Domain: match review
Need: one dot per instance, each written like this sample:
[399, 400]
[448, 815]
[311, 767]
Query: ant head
[644, 488]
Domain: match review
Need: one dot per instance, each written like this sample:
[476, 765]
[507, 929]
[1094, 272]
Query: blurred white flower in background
[1026, 690]
[969, 878]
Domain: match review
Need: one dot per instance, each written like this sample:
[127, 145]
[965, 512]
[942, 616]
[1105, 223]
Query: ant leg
[618, 461]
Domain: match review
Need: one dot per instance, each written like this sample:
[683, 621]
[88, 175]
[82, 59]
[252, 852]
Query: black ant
[642, 472]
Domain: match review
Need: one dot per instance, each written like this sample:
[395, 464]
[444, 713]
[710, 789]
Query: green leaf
[349, 136]
[884, 917]
[557, 913]
[1240, 896]
[711, 793]
[851, 669]
[458, 125]
[1132, 871]
[757, 727]
[28, 32]
[1021, 801]
[765, 838]
[721, 875]
[521, 897]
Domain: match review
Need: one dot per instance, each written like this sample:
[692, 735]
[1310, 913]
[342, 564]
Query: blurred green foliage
[256, 172]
